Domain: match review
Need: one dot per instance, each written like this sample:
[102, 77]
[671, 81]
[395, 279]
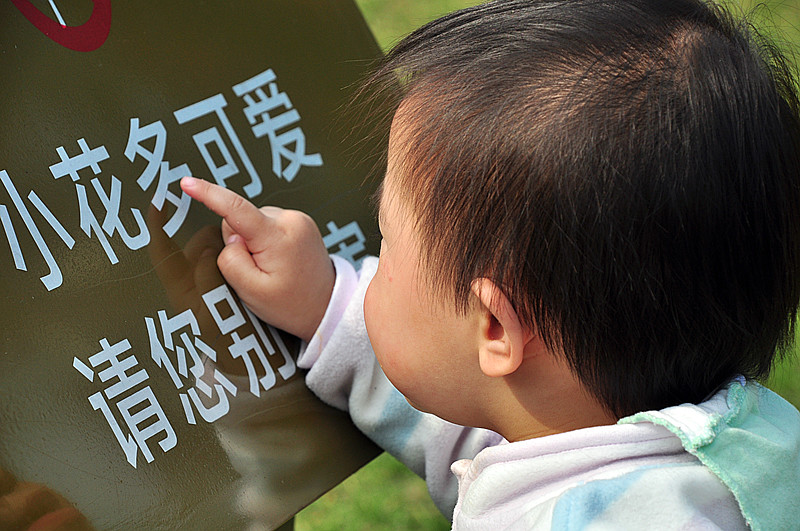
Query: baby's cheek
[377, 327]
[368, 305]
[384, 264]
[373, 305]
[385, 270]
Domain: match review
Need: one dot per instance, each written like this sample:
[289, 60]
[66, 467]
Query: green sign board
[133, 382]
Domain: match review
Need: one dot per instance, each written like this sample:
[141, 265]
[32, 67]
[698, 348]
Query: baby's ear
[501, 336]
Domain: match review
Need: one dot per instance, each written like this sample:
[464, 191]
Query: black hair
[627, 170]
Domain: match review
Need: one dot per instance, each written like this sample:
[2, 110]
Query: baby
[591, 249]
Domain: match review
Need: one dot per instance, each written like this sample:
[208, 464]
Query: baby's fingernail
[233, 238]
[188, 182]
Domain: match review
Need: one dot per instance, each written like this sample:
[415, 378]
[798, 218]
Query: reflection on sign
[193, 345]
[271, 116]
[177, 348]
[243, 348]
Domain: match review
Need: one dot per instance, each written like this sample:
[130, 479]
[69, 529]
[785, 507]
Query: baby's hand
[273, 258]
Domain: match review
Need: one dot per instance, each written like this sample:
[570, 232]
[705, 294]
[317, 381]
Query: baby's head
[627, 174]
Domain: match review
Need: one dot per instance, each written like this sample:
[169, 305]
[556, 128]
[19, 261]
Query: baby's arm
[274, 258]
[277, 263]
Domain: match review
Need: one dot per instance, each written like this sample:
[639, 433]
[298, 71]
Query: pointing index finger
[242, 215]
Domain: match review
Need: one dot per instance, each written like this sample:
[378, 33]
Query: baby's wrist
[319, 305]
[344, 284]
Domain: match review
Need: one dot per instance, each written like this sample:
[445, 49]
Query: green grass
[780, 20]
[382, 495]
[385, 495]
[785, 378]
[390, 20]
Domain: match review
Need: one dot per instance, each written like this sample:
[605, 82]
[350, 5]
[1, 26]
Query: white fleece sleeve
[344, 373]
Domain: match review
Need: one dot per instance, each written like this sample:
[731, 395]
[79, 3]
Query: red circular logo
[84, 38]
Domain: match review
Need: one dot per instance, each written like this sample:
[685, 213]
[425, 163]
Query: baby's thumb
[238, 267]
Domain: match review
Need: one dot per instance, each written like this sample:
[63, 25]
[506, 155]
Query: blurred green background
[384, 495]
